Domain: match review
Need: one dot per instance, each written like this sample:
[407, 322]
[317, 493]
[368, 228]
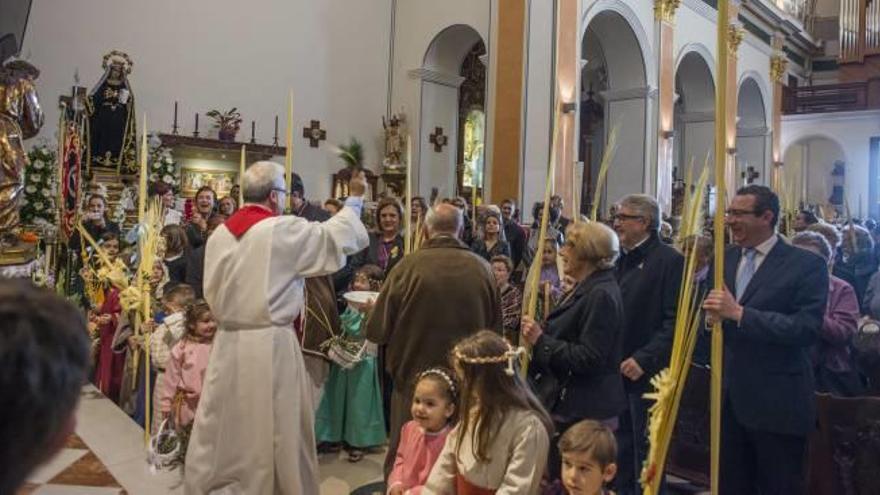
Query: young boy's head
[44, 361]
[178, 297]
[368, 278]
[589, 455]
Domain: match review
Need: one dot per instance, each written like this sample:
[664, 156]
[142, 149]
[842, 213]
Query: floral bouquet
[38, 204]
[163, 168]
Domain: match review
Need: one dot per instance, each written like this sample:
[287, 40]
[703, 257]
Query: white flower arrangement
[38, 204]
[162, 164]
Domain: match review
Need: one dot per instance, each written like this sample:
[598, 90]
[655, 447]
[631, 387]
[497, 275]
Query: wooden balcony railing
[828, 98]
[859, 29]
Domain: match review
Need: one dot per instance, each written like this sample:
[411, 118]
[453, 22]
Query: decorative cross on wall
[750, 174]
[438, 139]
[314, 133]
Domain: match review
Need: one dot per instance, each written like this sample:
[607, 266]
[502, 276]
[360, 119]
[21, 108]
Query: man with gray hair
[649, 273]
[431, 299]
[254, 430]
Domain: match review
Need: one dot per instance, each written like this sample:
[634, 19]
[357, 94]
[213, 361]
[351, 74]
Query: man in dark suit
[515, 234]
[772, 308]
[649, 273]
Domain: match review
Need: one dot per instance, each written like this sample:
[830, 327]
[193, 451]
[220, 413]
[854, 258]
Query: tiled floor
[106, 456]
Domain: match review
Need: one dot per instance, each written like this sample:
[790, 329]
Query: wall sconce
[668, 134]
[778, 164]
[569, 107]
[731, 151]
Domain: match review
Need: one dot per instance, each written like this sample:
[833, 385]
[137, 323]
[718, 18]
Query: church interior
[106, 105]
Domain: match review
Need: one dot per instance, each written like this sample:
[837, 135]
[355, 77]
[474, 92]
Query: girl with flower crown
[501, 442]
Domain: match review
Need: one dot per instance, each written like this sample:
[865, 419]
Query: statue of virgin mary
[112, 132]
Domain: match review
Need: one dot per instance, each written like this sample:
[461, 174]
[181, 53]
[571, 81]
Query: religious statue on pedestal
[20, 118]
[395, 142]
[112, 132]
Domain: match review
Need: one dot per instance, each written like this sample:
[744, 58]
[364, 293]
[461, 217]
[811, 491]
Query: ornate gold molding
[735, 36]
[664, 10]
[778, 66]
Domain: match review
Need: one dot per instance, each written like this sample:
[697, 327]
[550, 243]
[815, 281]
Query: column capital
[735, 35]
[778, 66]
[664, 10]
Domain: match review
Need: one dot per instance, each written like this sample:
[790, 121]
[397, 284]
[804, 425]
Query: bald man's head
[444, 219]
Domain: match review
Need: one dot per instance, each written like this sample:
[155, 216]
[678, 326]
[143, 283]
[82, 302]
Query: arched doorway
[472, 122]
[693, 123]
[815, 173]
[614, 93]
[752, 134]
[453, 88]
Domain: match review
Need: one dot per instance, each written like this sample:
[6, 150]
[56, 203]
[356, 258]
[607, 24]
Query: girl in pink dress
[181, 385]
[422, 438]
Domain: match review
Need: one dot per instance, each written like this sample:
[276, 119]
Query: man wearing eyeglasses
[772, 310]
[649, 273]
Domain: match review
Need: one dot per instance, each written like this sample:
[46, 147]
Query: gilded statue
[20, 118]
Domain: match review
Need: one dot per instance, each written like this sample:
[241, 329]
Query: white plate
[360, 296]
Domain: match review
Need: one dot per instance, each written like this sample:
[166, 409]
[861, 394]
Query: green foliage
[352, 154]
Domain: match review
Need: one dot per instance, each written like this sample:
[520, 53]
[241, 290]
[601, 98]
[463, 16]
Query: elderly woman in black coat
[576, 353]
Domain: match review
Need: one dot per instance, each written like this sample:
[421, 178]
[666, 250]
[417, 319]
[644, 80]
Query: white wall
[817, 156]
[207, 54]
[417, 23]
[852, 131]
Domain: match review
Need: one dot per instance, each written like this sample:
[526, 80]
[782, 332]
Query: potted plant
[227, 123]
[352, 154]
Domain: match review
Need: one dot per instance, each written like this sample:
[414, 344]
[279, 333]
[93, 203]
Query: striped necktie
[746, 272]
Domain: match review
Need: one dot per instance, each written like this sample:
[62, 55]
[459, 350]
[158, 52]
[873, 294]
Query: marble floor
[106, 456]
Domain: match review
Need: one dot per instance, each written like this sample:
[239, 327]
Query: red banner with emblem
[71, 162]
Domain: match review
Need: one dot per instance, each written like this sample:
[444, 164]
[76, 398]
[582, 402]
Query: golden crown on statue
[119, 58]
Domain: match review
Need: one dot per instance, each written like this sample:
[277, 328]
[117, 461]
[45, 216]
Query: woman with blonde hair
[576, 354]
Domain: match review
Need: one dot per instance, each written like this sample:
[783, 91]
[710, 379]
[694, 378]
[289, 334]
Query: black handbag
[549, 389]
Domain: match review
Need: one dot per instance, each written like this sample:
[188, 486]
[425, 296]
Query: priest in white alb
[254, 429]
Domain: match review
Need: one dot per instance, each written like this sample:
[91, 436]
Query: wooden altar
[212, 161]
[339, 183]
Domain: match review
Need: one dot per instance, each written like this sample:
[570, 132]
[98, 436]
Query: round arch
[695, 81]
[601, 7]
[701, 50]
[752, 85]
[449, 47]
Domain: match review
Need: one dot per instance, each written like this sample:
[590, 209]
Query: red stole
[246, 217]
[465, 487]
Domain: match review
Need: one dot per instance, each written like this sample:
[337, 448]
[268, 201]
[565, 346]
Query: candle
[196, 132]
[288, 157]
[241, 169]
[408, 246]
[275, 137]
[253, 132]
[142, 190]
[174, 130]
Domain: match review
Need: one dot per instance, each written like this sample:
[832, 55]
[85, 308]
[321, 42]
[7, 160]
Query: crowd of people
[431, 366]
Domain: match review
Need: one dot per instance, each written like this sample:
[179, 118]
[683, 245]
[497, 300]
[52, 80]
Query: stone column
[508, 51]
[664, 14]
[778, 67]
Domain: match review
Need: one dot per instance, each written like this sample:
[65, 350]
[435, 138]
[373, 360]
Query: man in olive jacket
[649, 273]
[431, 299]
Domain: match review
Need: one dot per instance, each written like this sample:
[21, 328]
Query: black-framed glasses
[620, 217]
[732, 212]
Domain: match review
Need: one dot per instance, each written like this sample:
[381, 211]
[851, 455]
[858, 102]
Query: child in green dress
[350, 412]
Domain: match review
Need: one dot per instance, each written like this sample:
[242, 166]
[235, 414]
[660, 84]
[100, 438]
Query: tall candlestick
[174, 129]
[142, 190]
[241, 169]
[288, 157]
[275, 137]
[253, 132]
[196, 132]
[408, 241]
